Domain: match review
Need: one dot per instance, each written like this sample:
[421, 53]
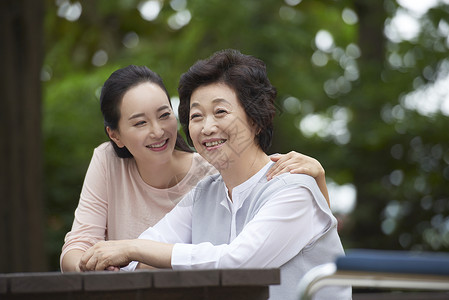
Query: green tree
[335, 70]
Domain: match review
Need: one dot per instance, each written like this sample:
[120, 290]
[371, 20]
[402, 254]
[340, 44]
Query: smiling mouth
[159, 145]
[214, 143]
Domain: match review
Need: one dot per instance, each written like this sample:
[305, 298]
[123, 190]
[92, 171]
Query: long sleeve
[281, 228]
[285, 224]
[89, 225]
[265, 225]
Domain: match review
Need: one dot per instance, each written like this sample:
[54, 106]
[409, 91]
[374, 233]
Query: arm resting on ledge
[120, 253]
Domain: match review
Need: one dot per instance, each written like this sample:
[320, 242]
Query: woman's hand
[111, 255]
[297, 163]
[106, 255]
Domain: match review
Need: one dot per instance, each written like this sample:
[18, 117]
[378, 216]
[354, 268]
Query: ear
[114, 135]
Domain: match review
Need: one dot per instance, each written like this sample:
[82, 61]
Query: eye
[195, 115]
[140, 123]
[165, 115]
[220, 112]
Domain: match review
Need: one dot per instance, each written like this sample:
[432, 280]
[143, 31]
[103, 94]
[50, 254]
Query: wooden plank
[192, 293]
[186, 278]
[205, 293]
[44, 282]
[142, 284]
[238, 293]
[236, 277]
[48, 296]
[116, 281]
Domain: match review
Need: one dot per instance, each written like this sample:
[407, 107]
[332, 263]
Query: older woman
[234, 219]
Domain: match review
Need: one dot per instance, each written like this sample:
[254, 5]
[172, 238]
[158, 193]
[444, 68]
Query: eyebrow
[217, 100]
[138, 115]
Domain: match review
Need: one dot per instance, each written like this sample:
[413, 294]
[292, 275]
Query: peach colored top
[115, 203]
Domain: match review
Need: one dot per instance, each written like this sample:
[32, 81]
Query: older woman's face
[219, 127]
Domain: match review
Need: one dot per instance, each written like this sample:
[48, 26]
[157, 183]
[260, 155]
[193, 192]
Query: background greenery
[344, 104]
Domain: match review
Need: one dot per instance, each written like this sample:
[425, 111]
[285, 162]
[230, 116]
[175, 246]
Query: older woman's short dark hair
[247, 76]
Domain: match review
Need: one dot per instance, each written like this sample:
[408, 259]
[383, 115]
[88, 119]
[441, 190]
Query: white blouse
[285, 223]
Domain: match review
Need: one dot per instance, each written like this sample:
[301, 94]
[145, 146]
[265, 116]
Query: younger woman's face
[147, 125]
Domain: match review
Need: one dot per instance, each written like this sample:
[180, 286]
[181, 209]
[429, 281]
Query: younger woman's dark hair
[247, 76]
[115, 87]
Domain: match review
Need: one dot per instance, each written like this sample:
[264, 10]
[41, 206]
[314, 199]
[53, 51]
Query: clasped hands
[106, 255]
[111, 255]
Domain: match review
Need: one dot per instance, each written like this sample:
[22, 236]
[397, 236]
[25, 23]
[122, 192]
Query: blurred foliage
[396, 157]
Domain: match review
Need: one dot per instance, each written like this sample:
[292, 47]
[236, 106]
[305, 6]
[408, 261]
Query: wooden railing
[145, 284]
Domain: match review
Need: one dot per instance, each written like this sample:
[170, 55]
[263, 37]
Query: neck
[166, 174]
[243, 169]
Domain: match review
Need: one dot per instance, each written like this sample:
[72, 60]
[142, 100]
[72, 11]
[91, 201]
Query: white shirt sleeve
[175, 227]
[282, 227]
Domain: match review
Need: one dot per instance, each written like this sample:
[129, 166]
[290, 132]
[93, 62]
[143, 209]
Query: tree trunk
[21, 205]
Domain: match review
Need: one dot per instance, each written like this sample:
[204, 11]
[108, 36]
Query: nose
[156, 131]
[209, 126]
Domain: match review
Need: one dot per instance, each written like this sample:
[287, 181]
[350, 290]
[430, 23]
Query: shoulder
[211, 181]
[207, 187]
[288, 183]
[105, 149]
[105, 155]
[294, 179]
[296, 184]
[202, 166]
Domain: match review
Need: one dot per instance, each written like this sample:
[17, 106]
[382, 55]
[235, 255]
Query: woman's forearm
[151, 253]
[70, 261]
[106, 254]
